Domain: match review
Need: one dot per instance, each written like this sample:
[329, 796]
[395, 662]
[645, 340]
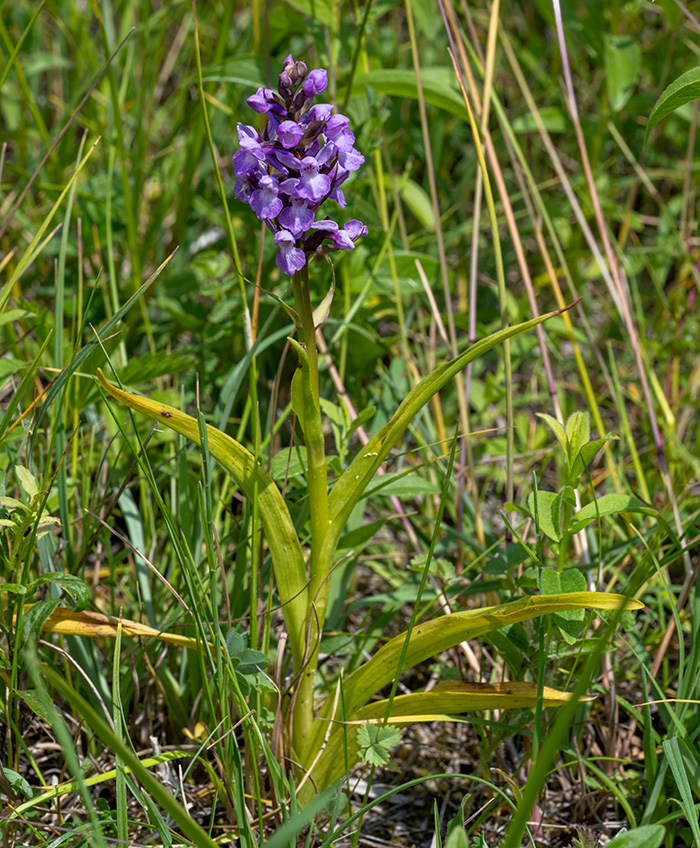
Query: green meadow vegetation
[370, 524]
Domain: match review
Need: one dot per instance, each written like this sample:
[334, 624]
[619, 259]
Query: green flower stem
[308, 409]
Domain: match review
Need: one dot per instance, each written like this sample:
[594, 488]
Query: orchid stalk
[286, 173]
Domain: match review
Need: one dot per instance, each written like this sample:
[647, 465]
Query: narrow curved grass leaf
[48, 793]
[453, 697]
[678, 93]
[285, 549]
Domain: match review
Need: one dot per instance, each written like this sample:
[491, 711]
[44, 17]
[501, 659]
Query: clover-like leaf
[375, 742]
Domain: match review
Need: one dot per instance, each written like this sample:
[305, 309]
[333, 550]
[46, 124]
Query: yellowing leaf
[93, 624]
[281, 537]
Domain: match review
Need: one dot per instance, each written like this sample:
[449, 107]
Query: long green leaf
[285, 549]
[437, 84]
[431, 637]
[350, 486]
[442, 703]
[675, 758]
[48, 793]
[678, 93]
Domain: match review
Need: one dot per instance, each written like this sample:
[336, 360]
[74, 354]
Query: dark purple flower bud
[313, 185]
[315, 83]
[290, 133]
[289, 257]
[296, 218]
[264, 202]
[298, 72]
[262, 101]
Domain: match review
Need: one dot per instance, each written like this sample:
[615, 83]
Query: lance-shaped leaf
[93, 624]
[442, 703]
[348, 489]
[282, 540]
[431, 637]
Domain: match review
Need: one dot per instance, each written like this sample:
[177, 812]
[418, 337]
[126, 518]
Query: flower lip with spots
[301, 158]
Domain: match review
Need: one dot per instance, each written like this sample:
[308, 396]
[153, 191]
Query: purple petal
[312, 185]
[262, 101]
[296, 218]
[245, 132]
[327, 225]
[342, 240]
[264, 202]
[344, 140]
[290, 133]
[289, 160]
[355, 229]
[335, 125]
[289, 257]
[245, 162]
[290, 187]
[315, 83]
[351, 159]
[320, 112]
[324, 156]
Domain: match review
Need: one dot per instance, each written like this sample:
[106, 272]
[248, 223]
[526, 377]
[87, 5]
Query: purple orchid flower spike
[301, 158]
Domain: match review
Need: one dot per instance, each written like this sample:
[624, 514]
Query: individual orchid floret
[265, 202]
[313, 185]
[299, 160]
[315, 83]
[290, 133]
[265, 100]
[296, 218]
[289, 257]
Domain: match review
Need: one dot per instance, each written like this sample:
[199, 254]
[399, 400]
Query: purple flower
[313, 185]
[290, 133]
[315, 83]
[251, 154]
[300, 159]
[320, 112]
[289, 258]
[296, 218]
[264, 202]
[263, 101]
[342, 239]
